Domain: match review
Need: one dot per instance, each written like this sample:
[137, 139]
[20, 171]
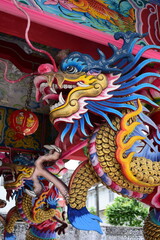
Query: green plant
[92, 210]
[126, 212]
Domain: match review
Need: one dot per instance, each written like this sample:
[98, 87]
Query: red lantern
[24, 122]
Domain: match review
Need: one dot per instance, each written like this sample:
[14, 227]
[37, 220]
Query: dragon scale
[80, 183]
[102, 150]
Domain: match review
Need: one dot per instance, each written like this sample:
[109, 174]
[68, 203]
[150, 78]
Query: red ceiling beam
[57, 32]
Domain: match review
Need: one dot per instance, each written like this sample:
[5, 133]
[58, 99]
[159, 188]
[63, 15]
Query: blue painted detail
[124, 61]
[144, 196]
[132, 98]
[9, 236]
[91, 108]
[155, 216]
[148, 153]
[148, 120]
[125, 191]
[82, 219]
[86, 116]
[82, 125]
[84, 62]
[106, 109]
[148, 150]
[137, 57]
[73, 63]
[116, 105]
[53, 202]
[74, 129]
[157, 139]
[138, 79]
[135, 89]
[65, 131]
[136, 70]
[106, 179]
[155, 2]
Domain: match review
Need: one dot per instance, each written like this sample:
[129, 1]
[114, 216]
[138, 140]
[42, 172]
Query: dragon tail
[82, 179]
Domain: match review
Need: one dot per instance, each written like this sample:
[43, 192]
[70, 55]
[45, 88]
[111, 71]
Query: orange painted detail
[123, 146]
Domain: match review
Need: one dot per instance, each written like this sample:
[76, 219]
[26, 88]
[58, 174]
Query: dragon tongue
[50, 96]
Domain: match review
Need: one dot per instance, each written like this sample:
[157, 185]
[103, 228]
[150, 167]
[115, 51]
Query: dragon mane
[127, 86]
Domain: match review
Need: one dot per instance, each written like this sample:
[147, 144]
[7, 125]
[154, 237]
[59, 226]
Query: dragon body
[41, 213]
[102, 102]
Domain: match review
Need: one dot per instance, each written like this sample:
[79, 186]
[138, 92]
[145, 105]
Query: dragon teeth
[53, 90]
[50, 185]
[61, 99]
[42, 87]
[65, 86]
[68, 86]
[56, 105]
[30, 193]
[47, 101]
[81, 84]
[60, 103]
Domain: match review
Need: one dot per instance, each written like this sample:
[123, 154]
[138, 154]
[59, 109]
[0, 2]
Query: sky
[72, 164]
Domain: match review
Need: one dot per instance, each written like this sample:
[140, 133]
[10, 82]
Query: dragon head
[69, 90]
[84, 92]
[14, 174]
[18, 172]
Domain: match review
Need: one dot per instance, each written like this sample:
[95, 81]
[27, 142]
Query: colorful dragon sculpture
[41, 213]
[98, 104]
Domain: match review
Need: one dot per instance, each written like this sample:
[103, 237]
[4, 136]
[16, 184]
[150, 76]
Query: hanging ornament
[23, 121]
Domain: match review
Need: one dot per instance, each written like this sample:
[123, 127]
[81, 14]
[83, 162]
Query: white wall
[106, 197]
[10, 203]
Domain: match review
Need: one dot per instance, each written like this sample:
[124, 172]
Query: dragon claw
[53, 147]
[31, 193]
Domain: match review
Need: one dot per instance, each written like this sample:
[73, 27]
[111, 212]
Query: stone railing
[109, 233]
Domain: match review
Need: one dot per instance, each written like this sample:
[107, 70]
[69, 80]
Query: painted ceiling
[109, 16]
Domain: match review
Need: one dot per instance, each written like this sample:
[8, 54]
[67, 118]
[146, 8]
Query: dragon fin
[9, 236]
[82, 219]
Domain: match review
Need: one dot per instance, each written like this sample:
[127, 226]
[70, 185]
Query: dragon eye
[71, 69]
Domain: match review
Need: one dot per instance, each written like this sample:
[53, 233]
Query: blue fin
[82, 219]
[9, 236]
